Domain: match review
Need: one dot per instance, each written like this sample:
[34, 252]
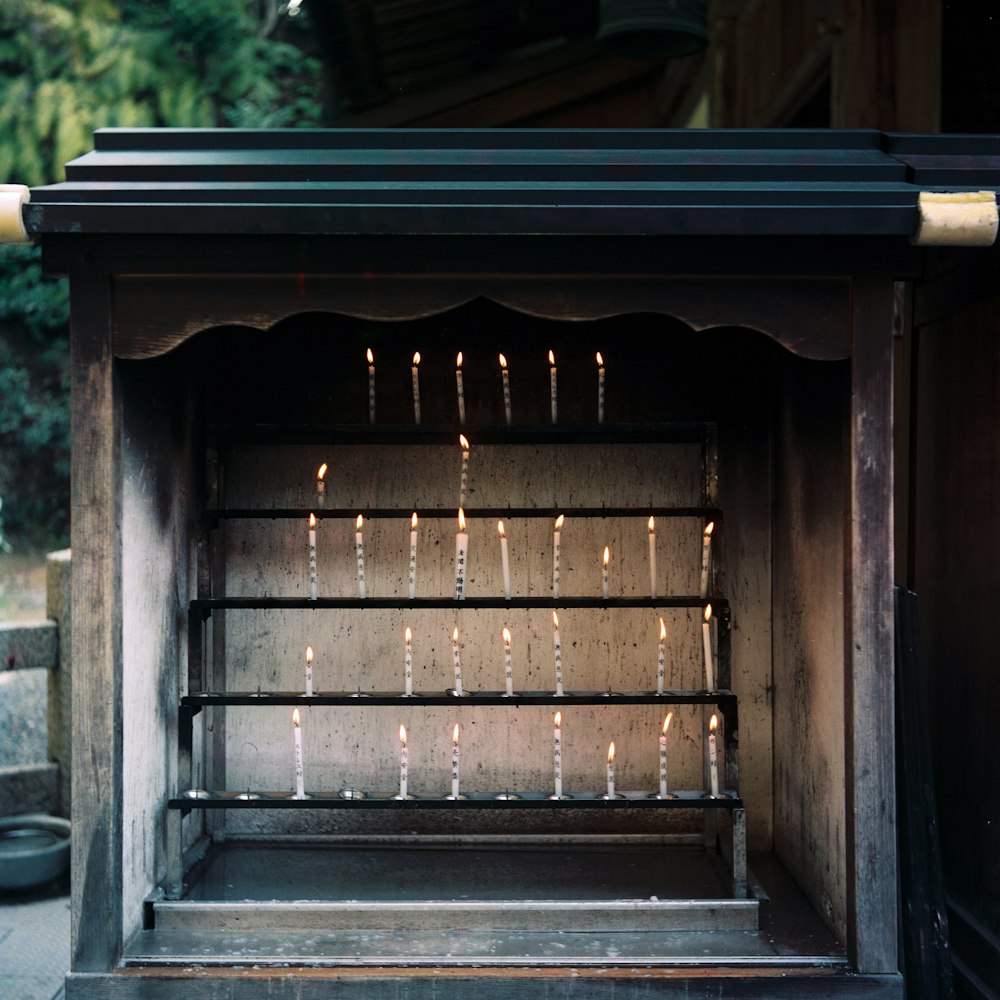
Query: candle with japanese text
[604, 571]
[508, 663]
[557, 646]
[663, 755]
[600, 388]
[651, 526]
[412, 573]
[505, 560]
[463, 483]
[321, 486]
[552, 383]
[309, 671]
[454, 762]
[300, 789]
[404, 763]
[359, 550]
[706, 554]
[371, 386]
[661, 659]
[461, 388]
[461, 556]
[456, 656]
[415, 373]
[557, 752]
[505, 376]
[706, 640]
[556, 547]
[312, 557]
[713, 757]
[611, 771]
[408, 662]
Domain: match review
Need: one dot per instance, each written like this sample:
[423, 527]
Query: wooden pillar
[96, 923]
[869, 737]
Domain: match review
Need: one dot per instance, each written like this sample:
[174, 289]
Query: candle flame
[607, 555]
[464, 442]
[611, 752]
[666, 722]
[555, 619]
[309, 654]
[663, 630]
[413, 522]
[360, 522]
[652, 524]
[552, 359]
[371, 357]
[709, 528]
[322, 471]
[503, 361]
[295, 718]
[454, 734]
[708, 612]
[500, 528]
[461, 519]
[713, 723]
[557, 719]
[454, 635]
[600, 360]
[416, 358]
[559, 522]
[506, 635]
[458, 360]
[408, 634]
[402, 734]
[312, 520]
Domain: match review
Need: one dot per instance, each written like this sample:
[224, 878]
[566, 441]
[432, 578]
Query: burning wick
[321, 486]
[611, 771]
[652, 557]
[556, 535]
[412, 581]
[404, 763]
[505, 375]
[456, 656]
[661, 658]
[415, 370]
[713, 757]
[300, 789]
[557, 647]
[664, 794]
[463, 484]
[371, 386]
[505, 559]
[312, 557]
[454, 763]
[359, 549]
[604, 571]
[461, 389]
[600, 388]
[706, 640]
[557, 753]
[408, 662]
[461, 556]
[309, 671]
[508, 663]
[706, 552]
[552, 382]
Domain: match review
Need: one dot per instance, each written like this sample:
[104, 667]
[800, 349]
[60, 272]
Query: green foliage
[68, 67]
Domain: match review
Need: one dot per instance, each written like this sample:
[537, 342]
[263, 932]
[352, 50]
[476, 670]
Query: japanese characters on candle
[557, 753]
[463, 484]
[505, 376]
[461, 388]
[456, 656]
[661, 659]
[600, 388]
[412, 572]
[557, 648]
[415, 372]
[404, 764]
[408, 662]
[556, 547]
[321, 486]
[508, 663]
[604, 571]
[663, 755]
[552, 384]
[461, 556]
[713, 757]
[454, 762]
[611, 771]
[505, 560]
[300, 789]
[706, 639]
[706, 554]
[371, 386]
[312, 557]
[309, 671]
[651, 526]
[359, 549]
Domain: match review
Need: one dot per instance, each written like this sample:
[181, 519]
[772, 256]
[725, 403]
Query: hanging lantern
[653, 29]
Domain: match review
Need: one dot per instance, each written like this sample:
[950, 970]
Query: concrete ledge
[28, 788]
[26, 647]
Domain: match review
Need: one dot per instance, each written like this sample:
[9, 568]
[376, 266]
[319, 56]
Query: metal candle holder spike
[351, 793]
[506, 797]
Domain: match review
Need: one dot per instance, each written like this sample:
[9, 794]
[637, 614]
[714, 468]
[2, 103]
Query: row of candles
[505, 382]
[508, 659]
[557, 755]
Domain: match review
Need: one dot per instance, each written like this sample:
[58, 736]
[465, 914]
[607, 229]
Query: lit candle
[663, 755]
[557, 645]
[706, 552]
[371, 386]
[713, 756]
[557, 752]
[415, 370]
[600, 388]
[454, 762]
[652, 557]
[556, 535]
[461, 556]
[706, 640]
[300, 787]
[461, 389]
[309, 671]
[413, 556]
[404, 763]
[408, 662]
[456, 656]
[611, 771]
[508, 663]
[312, 557]
[505, 559]
[463, 484]
[552, 382]
[604, 571]
[505, 375]
[359, 549]
[661, 659]
[321, 486]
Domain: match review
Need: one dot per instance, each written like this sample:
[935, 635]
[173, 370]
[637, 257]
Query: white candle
[312, 557]
[321, 486]
[461, 556]
[456, 656]
[713, 757]
[454, 762]
[600, 388]
[557, 646]
[415, 371]
[661, 659]
[663, 755]
[557, 752]
[412, 576]
[508, 663]
[706, 551]
[371, 386]
[461, 389]
[611, 771]
[359, 549]
[706, 641]
[505, 559]
[463, 484]
[408, 662]
[652, 557]
[309, 671]
[604, 571]
[552, 383]
[556, 535]
[505, 375]
[300, 787]
[404, 763]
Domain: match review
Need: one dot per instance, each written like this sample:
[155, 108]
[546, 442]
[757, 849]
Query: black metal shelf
[207, 605]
